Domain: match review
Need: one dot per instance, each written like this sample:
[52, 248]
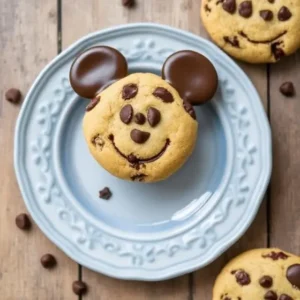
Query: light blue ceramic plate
[145, 231]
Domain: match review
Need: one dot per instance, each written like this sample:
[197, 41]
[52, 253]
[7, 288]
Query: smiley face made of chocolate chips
[256, 31]
[260, 274]
[141, 127]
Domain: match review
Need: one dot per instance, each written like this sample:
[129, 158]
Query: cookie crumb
[13, 95]
[105, 193]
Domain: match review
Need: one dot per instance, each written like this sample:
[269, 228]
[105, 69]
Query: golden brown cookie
[256, 31]
[260, 274]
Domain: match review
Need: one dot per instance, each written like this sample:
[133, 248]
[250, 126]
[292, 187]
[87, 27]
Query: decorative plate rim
[134, 273]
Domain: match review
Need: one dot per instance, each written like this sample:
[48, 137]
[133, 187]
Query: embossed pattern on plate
[123, 246]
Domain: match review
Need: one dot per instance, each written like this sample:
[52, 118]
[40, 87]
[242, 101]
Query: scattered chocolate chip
[266, 14]
[287, 89]
[105, 193]
[153, 116]
[140, 119]
[285, 297]
[242, 277]
[276, 255]
[139, 136]
[163, 94]
[234, 42]
[233, 272]
[79, 287]
[23, 221]
[270, 295]
[126, 114]
[266, 281]
[276, 51]
[48, 261]
[293, 275]
[189, 109]
[132, 159]
[284, 14]
[13, 95]
[229, 6]
[98, 141]
[138, 177]
[92, 103]
[245, 9]
[129, 91]
[271, 1]
[227, 298]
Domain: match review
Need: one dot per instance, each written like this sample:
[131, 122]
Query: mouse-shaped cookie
[260, 274]
[141, 127]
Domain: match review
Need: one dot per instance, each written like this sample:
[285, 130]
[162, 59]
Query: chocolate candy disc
[192, 75]
[95, 69]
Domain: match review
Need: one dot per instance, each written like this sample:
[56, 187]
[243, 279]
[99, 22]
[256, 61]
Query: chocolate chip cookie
[142, 127]
[256, 31]
[260, 274]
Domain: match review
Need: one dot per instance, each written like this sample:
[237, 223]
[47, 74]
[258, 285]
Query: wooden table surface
[32, 32]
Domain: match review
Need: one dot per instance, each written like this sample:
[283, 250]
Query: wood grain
[285, 121]
[27, 43]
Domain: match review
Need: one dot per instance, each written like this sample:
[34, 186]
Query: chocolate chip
[126, 114]
[189, 109]
[13, 95]
[242, 277]
[276, 51]
[245, 9]
[293, 275]
[140, 119]
[163, 94]
[23, 221]
[287, 89]
[207, 8]
[139, 136]
[153, 116]
[276, 255]
[98, 141]
[105, 193]
[285, 297]
[229, 6]
[128, 3]
[284, 14]
[271, 1]
[79, 287]
[266, 282]
[266, 14]
[92, 103]
[132, 159]
[270, 295]
[129, 91]
[234, 42]
[48, 261]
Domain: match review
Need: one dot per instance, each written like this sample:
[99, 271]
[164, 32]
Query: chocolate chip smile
[244, 35]
[139, 160]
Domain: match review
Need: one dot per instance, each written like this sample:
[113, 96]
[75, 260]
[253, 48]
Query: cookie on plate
[141, 127]
[260, 274]
[256, 31]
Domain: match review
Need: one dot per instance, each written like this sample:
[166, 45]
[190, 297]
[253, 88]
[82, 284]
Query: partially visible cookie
[256, 31]
[260, 274]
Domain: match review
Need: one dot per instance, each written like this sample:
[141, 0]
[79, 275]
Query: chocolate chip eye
[284, 14]
[153, 116]
[245, 9]
[163, 94]
[126, 114]
[129, 91]
[229, 6]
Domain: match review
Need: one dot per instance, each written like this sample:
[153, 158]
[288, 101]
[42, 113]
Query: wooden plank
[93, 15]
[28, 41]
[285, 121]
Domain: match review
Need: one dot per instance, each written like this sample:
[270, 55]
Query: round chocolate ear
[95, 69]
[192, 75]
